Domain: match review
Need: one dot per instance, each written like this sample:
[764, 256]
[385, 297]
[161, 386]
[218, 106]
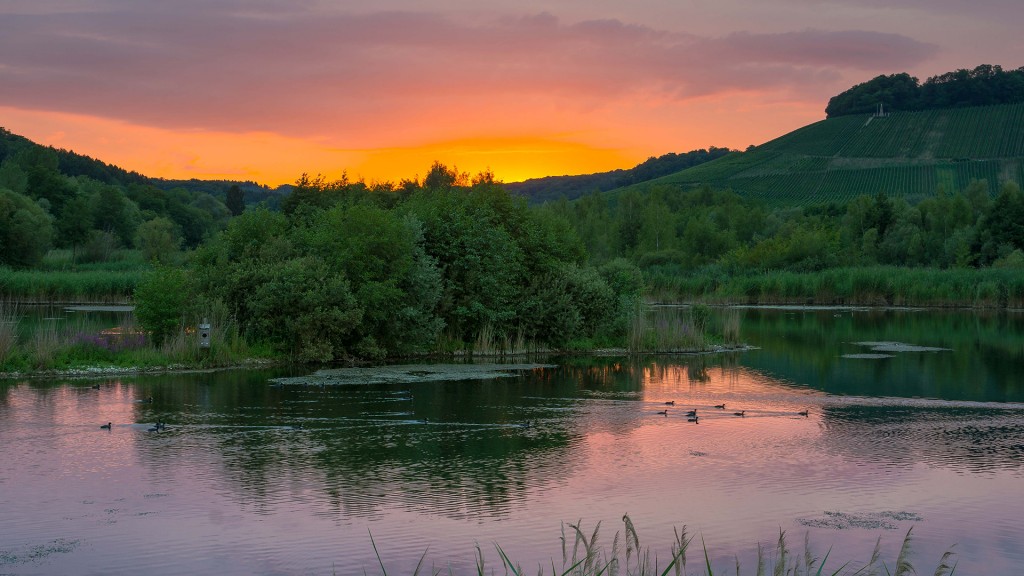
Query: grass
[96, 286]
[73, 346]
[688, 329]
[864, 286]
[584, 555]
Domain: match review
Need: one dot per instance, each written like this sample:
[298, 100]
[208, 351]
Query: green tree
[157, 239]
[235, 200]
[26, 231]
[160, 302]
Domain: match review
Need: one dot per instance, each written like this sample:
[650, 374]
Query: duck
[694, 419]
[663, 413]
[95, 386]
[692, 413]
[720, 406]
[106, 426]
[804, 413]
[740, 413]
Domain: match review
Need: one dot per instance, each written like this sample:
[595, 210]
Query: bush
[160, 300]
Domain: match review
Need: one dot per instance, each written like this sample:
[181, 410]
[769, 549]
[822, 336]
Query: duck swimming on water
[692, 413]
[720, 406]
[106, 426]
[804, 413]
[670, 403]
[740, 413]
[663, 413]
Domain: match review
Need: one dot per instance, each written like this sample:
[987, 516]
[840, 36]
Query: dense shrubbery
[351, 272]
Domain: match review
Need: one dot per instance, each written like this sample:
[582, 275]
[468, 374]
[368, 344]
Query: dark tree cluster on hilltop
[983, 86]
[540, 190]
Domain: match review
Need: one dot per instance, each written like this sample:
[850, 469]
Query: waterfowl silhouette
[692, 413]
[804, 413]
[95, 386]
[670, 403]
[663, 413]
[694, 419]
[740, 413]
[720, 406]
[106, 426]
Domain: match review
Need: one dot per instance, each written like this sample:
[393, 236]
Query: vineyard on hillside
[910, 155]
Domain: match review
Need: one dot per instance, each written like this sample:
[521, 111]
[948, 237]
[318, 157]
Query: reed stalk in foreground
[582, 555]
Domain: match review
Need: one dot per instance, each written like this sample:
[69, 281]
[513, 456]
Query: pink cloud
[301, 70]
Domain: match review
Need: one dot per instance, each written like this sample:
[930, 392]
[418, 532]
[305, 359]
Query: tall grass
[867, 286]
[583, 554]
[53, 346]
[98, 286]
[9, 320]
[686, 329]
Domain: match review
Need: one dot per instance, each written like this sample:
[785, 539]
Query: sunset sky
[265, 90]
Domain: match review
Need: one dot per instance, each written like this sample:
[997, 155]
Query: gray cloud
[295, 68]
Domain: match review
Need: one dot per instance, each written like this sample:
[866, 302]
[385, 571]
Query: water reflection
[291, 478]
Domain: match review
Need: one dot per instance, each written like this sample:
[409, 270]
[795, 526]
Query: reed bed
[96, 286]
[873, 286]
[585, 555]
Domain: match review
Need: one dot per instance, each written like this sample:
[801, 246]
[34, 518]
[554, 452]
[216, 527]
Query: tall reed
[9, 320]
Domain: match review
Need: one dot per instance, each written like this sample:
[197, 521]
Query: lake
[915, 419]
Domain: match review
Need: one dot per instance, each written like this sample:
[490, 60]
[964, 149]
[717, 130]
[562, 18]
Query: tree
[160, 300]
[26, 230]
[158, 239]
[235, 200]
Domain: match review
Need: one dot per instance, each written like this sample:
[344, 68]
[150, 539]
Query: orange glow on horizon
[619, 140]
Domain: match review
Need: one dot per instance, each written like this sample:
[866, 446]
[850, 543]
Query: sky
[266, 90]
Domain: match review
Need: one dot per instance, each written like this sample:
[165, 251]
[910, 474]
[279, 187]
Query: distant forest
[540, 190]
[984, 86]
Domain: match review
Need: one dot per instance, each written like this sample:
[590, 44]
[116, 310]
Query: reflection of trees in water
[964, 439]
[985, 352]
[455, 448]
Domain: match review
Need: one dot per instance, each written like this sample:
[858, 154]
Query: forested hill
[903, 154]
[986, 85]
[540, 190]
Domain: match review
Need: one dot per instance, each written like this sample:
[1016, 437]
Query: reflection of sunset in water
[253, 478]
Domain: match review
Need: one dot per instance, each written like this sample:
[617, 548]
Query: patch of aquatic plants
[583, 554]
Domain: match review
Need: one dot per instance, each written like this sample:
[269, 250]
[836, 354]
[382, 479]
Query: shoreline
[88, 372]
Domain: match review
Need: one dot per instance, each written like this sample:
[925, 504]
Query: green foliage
[25, 231]
[157, 239]
[984, 85]
[160, 302]
[235, 200]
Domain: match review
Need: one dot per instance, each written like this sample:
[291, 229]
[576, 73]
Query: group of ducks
[691, 416]
[147, 400]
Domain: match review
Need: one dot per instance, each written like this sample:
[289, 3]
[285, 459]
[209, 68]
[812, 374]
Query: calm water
[923, 438]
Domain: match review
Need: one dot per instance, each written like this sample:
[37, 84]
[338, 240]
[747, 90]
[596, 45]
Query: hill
[903, 154]
[540, 190]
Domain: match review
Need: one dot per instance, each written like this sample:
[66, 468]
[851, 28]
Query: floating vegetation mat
[871, 521]
[410, 373]
[896, 347]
